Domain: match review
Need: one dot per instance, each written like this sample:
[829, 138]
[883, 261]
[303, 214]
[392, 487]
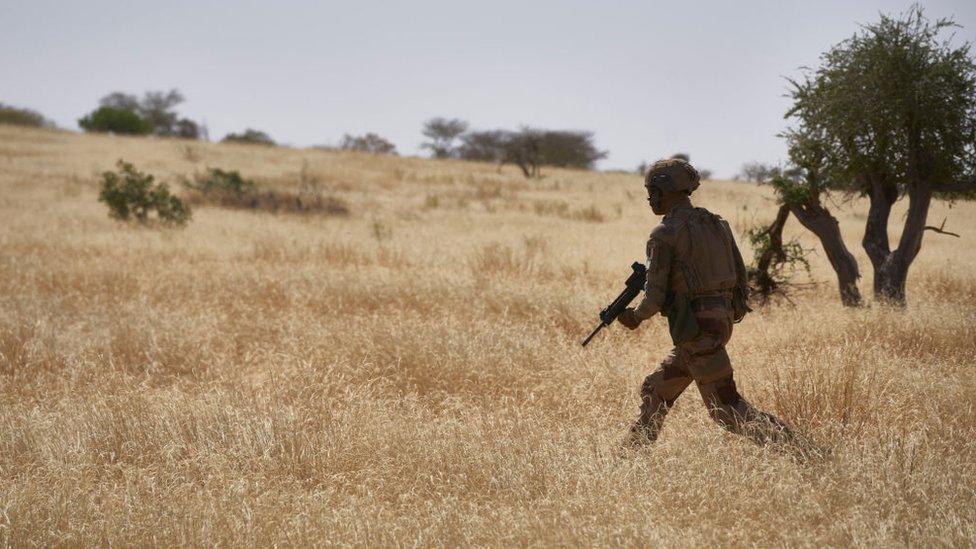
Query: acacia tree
[890, 113]
[800, 190]
[442, 133]
[531, 148]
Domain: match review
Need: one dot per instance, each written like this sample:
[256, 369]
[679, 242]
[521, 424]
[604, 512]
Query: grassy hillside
[410, 372]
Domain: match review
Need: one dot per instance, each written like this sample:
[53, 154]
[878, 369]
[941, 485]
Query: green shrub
[218, 181]
[23, 117]
[249, 136]
[130, 193]
[114, 120]
[775, 262]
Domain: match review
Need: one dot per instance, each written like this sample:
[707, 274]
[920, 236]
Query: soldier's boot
[646, 429]
[735, 414]
[658, 392]
[760, 426]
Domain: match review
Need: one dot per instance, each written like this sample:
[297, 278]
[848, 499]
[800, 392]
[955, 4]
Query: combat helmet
[672, 174]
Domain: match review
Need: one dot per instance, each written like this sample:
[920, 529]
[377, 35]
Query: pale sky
[649, 78]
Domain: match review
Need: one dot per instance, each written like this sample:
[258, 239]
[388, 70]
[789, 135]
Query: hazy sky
[650, 78]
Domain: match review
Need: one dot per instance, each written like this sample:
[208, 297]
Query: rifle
[635, 283]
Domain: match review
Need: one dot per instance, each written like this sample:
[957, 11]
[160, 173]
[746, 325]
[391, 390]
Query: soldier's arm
[660, 255]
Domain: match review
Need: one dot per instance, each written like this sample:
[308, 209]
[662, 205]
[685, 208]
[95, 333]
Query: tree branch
[940, 230]
[955, 186]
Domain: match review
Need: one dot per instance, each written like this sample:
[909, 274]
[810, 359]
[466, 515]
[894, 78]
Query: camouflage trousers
[705, 361]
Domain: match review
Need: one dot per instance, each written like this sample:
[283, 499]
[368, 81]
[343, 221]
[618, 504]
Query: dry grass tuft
[413, 377]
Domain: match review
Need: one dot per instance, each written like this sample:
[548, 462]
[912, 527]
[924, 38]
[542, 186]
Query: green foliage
[218, 181]
[792, 257]
[114, 120]
[896, 103]
[157, 108]
[129, 194]
[23, 117]
[775, 263]
[791, 191]
[249, 136]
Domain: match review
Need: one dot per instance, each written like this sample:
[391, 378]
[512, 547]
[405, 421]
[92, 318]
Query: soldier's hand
[629, 319]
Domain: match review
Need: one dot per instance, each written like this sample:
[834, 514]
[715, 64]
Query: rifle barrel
[593, 333]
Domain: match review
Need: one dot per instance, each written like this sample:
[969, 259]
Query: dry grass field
[410, 373]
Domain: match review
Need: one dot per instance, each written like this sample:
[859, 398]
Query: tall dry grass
[410, 374]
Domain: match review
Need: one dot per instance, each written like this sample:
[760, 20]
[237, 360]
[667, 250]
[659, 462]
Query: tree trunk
[764, 282]
[822, 223]
[775, 249]
[891, 267]
[882, 196]
[891, 277]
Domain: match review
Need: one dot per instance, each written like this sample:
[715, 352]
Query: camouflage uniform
[694, 263]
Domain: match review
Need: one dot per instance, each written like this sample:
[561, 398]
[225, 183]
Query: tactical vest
[704, 254]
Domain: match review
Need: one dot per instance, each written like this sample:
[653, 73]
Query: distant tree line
[155, 113]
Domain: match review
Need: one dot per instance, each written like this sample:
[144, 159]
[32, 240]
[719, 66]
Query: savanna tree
[800, 190]
[531, 148]
[442, 134]
[889, 114]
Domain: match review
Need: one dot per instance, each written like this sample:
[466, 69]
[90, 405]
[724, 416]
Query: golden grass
[410, 374]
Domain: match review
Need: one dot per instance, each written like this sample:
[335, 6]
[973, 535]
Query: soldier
[696, 277]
